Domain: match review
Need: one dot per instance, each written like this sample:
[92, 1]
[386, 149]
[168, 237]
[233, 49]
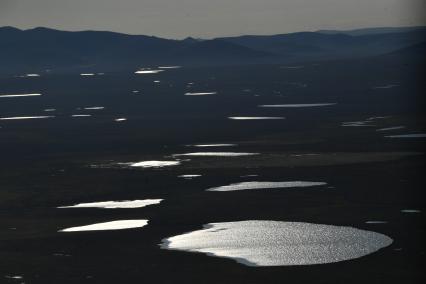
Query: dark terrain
[47, 163]
[43, 50]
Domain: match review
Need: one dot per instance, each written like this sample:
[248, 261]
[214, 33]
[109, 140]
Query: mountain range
[41, 49]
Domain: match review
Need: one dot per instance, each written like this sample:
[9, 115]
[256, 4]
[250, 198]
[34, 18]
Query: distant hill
[373, 31]
[42, 48]
[218, 50]
[315, 45]
[36, 50]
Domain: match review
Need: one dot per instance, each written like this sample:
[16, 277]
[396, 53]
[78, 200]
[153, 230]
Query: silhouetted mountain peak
[10, 29]
[42, 30]
[191, 40]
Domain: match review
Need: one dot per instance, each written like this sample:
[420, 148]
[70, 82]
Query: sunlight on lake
[116, 204]
[25, 117]
[154, 164]
[255, 118]
[265, 185]
[19, 95]
[113, 225]
[274, 243]
[298, 105]
[217, 154]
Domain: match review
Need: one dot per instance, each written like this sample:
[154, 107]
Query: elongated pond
[274, 243]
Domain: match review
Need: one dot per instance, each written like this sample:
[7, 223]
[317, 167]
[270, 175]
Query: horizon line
[226, 36]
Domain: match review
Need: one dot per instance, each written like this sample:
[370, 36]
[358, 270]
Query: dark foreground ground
[47, 163]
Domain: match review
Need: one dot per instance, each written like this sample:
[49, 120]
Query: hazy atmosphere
[212, 141]
[203, 18]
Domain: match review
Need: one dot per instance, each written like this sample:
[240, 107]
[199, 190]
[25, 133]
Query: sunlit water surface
[256, 117]
[217, 154]
[19, 95]
[265, 185]
[153, 164]
[113, 225]
[116, 204]
[26, 117]
[298, 105]
[201, 94]
[390, 128]
[274, 243]
[417, 135]
[213, 145]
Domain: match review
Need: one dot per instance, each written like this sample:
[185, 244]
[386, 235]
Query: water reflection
[189, 176]
[273, 243]
[255, 117]
[213, 145]
[357, 124]
[116, 204]
[19, 95]
[265, 185]
[14, 277]
[26, 117]
[201, 94]
[148, 71]
[217, 154]
[417, 135]
[94, 108]
[113, 225]
[153, 164]
[391, 128]
[411, 211]
[298, 105]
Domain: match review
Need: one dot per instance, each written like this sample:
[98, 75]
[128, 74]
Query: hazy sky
[210, 18]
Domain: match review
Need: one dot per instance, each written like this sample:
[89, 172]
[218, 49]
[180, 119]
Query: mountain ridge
[38, 49]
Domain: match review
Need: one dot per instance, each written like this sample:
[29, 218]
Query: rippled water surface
[273, 243]
[265, 185]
